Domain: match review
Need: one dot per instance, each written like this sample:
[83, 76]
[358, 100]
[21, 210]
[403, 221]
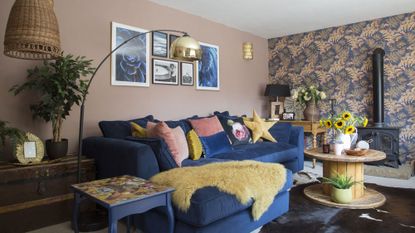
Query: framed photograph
[172, 38]
[165, 72]
[288, 116]
[130, 63]
[30, 151]
[187, 74]
[276, 109]
[207, 74]
[159, 44]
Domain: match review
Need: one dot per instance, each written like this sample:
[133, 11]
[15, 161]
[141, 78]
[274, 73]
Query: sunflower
[328, 124]
[321, 123]
[346, 116]
[339, 124]
[350, 129]
[365, 121]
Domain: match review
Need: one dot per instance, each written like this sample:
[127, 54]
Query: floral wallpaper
[338, 60]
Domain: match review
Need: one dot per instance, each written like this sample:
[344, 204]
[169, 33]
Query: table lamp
[276, 90]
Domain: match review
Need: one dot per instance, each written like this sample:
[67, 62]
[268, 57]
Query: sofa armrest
[297, 139]
[115, 157]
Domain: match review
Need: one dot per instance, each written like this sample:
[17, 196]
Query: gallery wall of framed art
[147, 57]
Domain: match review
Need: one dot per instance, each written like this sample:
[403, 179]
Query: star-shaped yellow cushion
[260, 128]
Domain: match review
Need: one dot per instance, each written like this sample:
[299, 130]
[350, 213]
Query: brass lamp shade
[185, 48]
[32, 31]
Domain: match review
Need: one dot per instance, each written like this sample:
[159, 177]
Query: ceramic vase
[338, 148]
[345, 138]
[311, 111]
[342, 196]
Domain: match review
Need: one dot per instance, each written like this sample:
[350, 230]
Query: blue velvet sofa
[211, 211]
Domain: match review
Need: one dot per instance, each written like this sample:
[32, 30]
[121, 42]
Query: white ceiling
[275, 18]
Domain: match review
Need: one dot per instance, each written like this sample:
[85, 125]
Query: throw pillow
[236, 130]
[259, 128]
[195, 145]
[183, 150]
[137, 130]
[162, 130]
[121, 129]
[212, 135]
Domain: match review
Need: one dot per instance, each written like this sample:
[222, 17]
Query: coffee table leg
[170, 215]
[112, 223]
[75, 212]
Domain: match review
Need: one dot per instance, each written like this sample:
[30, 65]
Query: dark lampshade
[277, 90]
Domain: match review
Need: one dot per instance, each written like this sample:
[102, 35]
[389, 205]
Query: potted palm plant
[341, 191]
[60, 85]
[14, 134]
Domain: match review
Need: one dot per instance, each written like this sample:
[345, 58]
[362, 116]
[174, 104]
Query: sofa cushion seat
[262, 151]
[202, 161]
[209, 205]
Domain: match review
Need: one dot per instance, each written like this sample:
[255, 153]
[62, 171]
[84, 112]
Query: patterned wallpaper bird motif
[338, 60]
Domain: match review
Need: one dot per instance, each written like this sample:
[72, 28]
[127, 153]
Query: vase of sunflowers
[309, 97]
[344, 125]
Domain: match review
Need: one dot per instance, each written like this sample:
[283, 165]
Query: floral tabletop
[119, 189]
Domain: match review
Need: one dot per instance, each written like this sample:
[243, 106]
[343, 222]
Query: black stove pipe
[378, 102]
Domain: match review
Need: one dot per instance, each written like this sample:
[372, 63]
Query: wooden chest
[36, 196]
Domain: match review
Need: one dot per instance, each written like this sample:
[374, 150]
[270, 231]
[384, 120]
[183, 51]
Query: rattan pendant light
[32, 31]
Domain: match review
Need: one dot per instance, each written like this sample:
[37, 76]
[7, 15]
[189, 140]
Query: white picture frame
[207, 69]
[131, 67]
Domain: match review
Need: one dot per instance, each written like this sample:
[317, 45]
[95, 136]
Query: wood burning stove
[383, 138]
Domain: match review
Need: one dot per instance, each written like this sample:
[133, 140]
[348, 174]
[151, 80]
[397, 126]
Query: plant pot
[311, 112]
[56, 150]
[342, 196]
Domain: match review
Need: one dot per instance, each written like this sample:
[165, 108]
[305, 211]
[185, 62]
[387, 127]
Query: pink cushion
[173, 138]
[206, 127]
[183, 149]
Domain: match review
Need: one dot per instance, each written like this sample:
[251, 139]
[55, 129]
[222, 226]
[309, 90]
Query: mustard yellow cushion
[195, 145]
[138, 131]
[259, 128]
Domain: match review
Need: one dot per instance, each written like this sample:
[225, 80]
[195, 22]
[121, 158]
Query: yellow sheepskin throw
[245, 179]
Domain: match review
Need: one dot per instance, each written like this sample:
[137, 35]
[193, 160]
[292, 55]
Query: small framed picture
[165, 72]
[288, 116]
[187, 74]
[276, 109]
[159, 44]
[172, 38]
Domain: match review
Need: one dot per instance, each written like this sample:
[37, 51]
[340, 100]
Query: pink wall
[85, 30]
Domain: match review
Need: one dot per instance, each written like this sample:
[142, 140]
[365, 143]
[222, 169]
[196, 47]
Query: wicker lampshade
[32, 31]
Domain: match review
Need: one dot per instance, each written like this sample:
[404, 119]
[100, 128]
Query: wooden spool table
[352, 166]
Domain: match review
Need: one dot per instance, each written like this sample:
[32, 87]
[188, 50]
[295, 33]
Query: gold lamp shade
[32, 31]
[185, 48]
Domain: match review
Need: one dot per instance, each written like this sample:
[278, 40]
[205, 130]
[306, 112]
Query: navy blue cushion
[121, 129]
[262, 151]
[214, 144]
[281, 131]
[184, 123]
[209, 204]
[164, 158]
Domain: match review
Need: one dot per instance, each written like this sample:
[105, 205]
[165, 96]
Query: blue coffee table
[123, 197]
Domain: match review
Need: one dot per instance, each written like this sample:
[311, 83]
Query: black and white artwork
[187, 74]
[165, 72]
[160, 44]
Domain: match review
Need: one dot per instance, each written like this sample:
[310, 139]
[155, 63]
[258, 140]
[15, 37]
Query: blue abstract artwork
[129, 64]
[208, 68]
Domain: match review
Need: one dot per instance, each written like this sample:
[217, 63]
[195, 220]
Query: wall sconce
[247, 51]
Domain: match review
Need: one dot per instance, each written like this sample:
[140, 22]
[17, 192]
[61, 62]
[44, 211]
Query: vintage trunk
[32, 197]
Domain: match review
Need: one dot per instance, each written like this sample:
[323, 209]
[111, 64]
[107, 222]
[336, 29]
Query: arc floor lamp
[27, 38]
